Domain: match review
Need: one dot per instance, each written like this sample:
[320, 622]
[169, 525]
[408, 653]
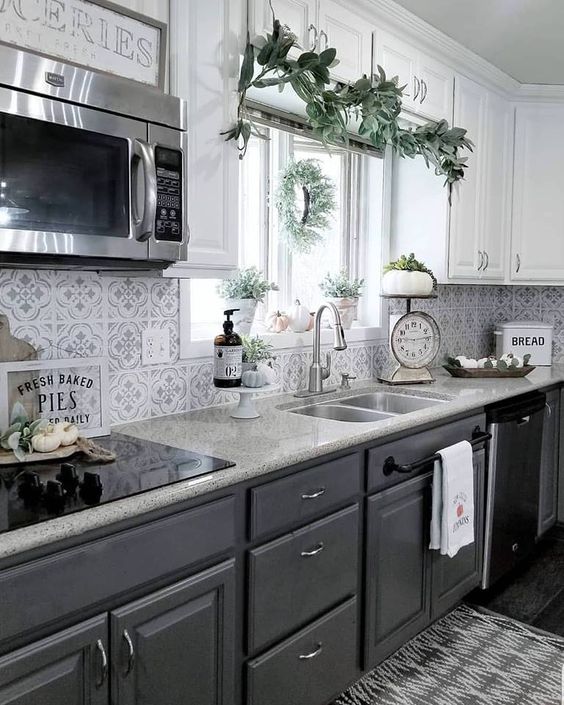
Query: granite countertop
[275, 440]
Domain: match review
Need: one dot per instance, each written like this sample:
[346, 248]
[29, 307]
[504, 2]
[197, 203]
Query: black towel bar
[390, 466]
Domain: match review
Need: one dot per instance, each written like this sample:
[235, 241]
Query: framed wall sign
[96, 34]
[73, 390]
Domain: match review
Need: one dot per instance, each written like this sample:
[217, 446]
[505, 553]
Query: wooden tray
[59, 454]
[485, 372]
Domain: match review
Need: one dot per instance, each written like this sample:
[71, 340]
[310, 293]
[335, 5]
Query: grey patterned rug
[467, 658]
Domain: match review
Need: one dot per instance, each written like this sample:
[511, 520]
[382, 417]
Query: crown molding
[535, 91]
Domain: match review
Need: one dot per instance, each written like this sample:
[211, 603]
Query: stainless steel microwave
[92, 168]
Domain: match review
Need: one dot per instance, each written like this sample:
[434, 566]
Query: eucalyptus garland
[375, 104]
[303, 226]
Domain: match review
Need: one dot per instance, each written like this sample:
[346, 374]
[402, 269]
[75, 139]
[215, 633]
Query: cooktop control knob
[68, 477]
[30, 488]
[91, 488]
[54, 496]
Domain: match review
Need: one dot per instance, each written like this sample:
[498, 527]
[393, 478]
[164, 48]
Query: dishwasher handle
[523, 421]
[516, 410]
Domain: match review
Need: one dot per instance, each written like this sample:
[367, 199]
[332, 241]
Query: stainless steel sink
[366, 408]
[339, 412]
[391, 403]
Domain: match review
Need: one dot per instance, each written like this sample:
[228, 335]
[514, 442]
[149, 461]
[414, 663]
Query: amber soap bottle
[228, 355]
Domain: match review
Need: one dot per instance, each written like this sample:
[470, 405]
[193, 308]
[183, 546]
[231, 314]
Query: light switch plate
[155, 346]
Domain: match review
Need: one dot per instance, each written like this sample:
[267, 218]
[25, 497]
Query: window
[353, 240]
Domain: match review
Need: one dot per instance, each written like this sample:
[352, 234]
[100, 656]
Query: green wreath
[302, 224]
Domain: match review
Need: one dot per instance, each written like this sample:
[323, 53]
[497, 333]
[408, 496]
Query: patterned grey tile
[552, 297]
[202, 391]
[80, 339]
[361, 358]
[164, 298]
[129, 396]
[169, 391]
[78, 296]
[124, 345]
[294, 371]
[527, 313]
[526, 297]
[40, 336]
[128, 298]
[25, 295]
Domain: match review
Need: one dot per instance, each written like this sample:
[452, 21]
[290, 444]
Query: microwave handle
[144, 224]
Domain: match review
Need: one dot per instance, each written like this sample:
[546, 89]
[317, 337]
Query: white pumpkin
[299, 317]
[398, 282]
[277, 322]
[47, 440]
[268, 372]
[68, 433]
[253, 378]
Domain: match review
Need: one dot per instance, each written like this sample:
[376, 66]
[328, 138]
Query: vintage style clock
[415, 342]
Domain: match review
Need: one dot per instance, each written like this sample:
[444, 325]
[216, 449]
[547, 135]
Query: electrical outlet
[155, 346]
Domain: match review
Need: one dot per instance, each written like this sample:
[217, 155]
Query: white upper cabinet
[429, 83]
[350, 35]
[537, 247]
[319, 24]
[299, 15]
[466, 259]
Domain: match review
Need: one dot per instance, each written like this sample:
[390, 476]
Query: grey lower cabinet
[407, 585]
[70, 667]
[548, 500]
[176, 646]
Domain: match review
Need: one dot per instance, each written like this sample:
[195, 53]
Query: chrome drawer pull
[130, 655]
[313, 654]
[316, 494]
[314, 551]
[104, 663]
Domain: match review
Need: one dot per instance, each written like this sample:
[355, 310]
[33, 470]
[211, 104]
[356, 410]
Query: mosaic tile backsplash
[79, 314]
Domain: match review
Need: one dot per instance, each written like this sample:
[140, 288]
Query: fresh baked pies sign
[92, 33]
[72, 390]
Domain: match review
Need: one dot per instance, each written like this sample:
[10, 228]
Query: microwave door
[66, 177]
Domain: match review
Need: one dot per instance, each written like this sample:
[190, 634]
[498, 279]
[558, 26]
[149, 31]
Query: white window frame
[287, 341]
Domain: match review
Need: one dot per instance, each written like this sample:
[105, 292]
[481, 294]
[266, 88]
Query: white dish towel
[452, 521]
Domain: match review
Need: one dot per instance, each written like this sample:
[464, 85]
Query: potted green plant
[257, 355]
[344, 292]
[407, 276]
[243, 292]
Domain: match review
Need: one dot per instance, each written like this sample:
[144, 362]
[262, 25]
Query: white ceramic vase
[244, 317]
[347, 307]
[403, 283]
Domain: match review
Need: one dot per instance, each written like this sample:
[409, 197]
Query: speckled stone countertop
[275, 440]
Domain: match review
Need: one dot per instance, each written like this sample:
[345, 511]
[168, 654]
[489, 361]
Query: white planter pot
[403, 283]
[244, 317]
[347, 308]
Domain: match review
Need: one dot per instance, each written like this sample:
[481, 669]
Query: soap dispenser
[228, 355]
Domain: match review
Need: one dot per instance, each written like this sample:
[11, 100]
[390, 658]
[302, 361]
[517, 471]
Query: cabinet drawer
[50, 589]
[299, 576]
[413, 448]
[305, 495]
[311, 667]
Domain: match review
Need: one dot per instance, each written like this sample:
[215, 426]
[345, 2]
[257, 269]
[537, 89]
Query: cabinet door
[453, 578]
[397, 567]
[398, 59]
[436, 93]
[497, 196]
[176, 645]
[548, 503]
[351, 35]
[538, 207]
[69, 667]
[298, 15]
[466, 219]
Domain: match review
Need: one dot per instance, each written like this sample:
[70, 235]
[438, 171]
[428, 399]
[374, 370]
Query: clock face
[415, 340]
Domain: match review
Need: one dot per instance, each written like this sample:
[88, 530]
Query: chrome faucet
[317, 371]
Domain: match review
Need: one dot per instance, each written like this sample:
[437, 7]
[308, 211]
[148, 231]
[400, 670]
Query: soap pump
[228, 355]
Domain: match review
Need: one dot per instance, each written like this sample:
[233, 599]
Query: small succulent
[340, 286]
[248, 283]
[408, 263]
[256, 349]
[18, 437]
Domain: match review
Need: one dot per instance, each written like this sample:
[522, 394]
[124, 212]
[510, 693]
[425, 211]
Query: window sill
[292, 341]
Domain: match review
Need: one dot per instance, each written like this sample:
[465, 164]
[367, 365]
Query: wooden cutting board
[59, 454]
[13, 349]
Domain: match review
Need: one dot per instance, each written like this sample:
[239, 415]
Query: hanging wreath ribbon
[304, 220]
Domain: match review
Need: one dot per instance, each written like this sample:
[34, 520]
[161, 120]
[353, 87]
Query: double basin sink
[368, 407]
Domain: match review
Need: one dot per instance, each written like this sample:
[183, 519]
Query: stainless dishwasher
[513, 483]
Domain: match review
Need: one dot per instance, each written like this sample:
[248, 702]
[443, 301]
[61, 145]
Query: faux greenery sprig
[339, 286]
[248, 283]
[18, 437]
[408, 263]
[375, 103]
[256, 349]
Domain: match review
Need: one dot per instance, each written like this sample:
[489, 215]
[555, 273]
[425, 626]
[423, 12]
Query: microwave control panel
[168, 219]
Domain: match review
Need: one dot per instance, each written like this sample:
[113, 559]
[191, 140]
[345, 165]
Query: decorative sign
[97, 35]
[72, 390]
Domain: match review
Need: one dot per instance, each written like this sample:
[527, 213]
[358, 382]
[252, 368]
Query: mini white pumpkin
[68, 433]
[402, 282]
[268, 372]
[253, 379]
[299, 317]
[47, 440]
[277, 322]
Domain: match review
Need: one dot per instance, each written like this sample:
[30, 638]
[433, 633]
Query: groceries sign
[86, 33]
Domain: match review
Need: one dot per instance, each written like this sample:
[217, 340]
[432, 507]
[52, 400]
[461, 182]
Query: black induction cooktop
[36, 492]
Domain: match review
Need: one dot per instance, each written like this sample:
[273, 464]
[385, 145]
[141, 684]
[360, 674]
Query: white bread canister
[525, 337]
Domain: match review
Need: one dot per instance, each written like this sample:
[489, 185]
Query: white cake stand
[246, 408]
